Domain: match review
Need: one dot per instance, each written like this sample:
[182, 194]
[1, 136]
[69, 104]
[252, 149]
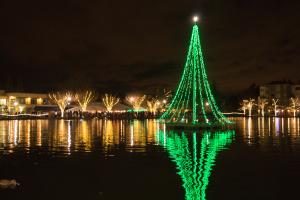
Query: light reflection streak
[277, 126]
[195, 160]
[39, 133]
[69, 136]
[249, 129]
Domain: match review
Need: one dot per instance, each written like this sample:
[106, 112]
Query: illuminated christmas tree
[193, 101]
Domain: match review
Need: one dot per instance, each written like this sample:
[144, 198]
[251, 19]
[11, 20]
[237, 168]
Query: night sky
[141, 45]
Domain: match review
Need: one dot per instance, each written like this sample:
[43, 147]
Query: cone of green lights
[194, 101]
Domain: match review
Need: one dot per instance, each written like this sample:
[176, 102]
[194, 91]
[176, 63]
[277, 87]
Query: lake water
[102, 159]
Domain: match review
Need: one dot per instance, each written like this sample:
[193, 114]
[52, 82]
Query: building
[19, 102]
[282, 90]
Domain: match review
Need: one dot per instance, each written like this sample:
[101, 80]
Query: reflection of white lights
[249, 129]
[15, 131]
[69, 135]
[131, 134]
[277, 124]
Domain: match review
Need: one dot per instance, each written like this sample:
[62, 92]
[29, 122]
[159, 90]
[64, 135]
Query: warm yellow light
[2, 101]
[21, 108]
[16, 103]
[39, 101]
[164, 101]
[28, 101]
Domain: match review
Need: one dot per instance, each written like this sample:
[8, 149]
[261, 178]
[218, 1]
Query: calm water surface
[102, 159]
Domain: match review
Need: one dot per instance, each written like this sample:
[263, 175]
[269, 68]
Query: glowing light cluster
[248, 104]
[294, 104]
[83, 99]
[136, 101]
[275, 105]
[193, 101]
[110, 101]
[262, 102]
[153, 105]
[61, 99]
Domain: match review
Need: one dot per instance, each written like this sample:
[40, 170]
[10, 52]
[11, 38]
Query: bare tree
[262, 102]
[275, 105]
[249, 105]
[294, 102]
[136, 101]
[153, 104]
[61, 99]
[244, 106]
[110, 101]
[84, 99]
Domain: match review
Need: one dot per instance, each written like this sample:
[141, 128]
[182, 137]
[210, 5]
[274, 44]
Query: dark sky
[139, 44]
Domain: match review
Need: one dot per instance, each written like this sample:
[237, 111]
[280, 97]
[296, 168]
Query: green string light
[193, 101]
[195, 160]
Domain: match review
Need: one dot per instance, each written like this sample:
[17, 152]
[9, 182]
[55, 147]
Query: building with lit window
[19, 102]
[281, 90]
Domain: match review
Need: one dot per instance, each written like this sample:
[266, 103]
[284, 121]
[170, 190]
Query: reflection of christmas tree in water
[195, 160]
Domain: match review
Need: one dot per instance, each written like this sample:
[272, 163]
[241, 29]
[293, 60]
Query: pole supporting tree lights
[193, 102]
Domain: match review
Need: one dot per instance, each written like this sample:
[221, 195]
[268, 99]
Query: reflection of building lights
[16, 103]
[164, 101]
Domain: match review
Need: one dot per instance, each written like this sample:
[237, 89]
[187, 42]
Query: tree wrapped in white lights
[110, 101]
[84, 99]
[294, 102]
[249, 103]
[275, 105]
[153, 105]
[244, 106]
[61, 99]
[136, 101]
[262, 102]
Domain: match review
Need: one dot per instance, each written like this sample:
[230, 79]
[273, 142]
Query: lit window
[2, 102]
[28, 101]
[39, 101]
